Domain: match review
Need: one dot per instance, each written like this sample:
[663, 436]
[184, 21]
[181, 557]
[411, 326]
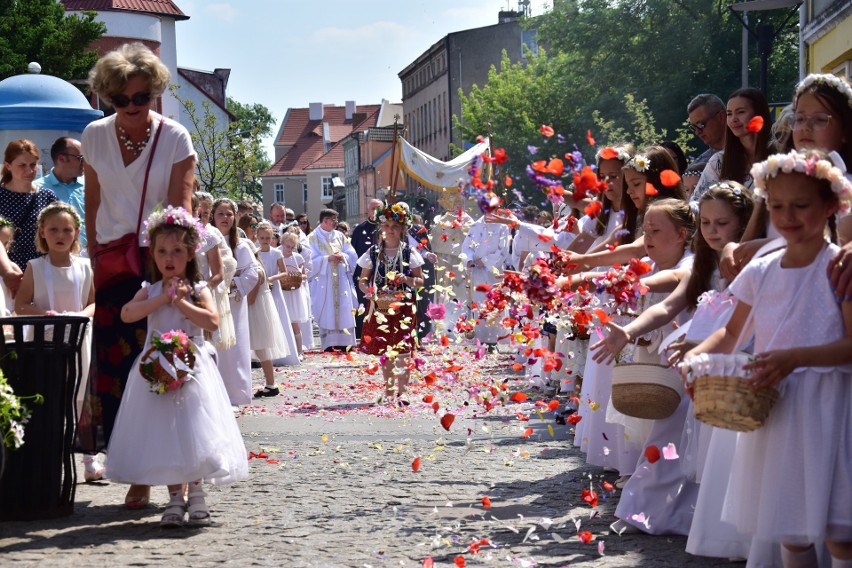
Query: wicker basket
[384, 301]
[153, 371]
[646, 390]
[731, 403]
[291, 281]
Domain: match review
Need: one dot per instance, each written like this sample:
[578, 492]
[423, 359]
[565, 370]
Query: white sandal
[199, 514]
[174, 513]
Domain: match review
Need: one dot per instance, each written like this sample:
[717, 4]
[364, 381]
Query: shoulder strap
[147, 171]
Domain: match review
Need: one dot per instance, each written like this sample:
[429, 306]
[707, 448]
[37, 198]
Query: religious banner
[434, 173]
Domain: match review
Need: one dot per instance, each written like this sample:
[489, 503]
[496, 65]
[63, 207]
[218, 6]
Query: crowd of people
[658, 261]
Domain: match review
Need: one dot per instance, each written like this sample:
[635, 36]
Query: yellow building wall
[832, 50]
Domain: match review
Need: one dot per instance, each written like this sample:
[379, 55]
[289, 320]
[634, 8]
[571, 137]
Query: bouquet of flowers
[14, 414]
[169, 361]
[624, 283]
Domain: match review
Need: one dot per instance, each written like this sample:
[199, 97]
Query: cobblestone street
[332, 484]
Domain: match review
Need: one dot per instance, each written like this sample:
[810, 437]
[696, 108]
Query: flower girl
[175, 425]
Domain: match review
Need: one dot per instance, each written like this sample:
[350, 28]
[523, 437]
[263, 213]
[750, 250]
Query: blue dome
[43, 102]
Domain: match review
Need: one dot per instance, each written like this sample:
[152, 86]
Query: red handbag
[121, 259]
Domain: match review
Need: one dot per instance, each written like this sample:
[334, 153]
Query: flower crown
[639, 162]
[828, 80]
[174, 216]
[398, 212]
[830, 168]
[613, 153]
[4, 222]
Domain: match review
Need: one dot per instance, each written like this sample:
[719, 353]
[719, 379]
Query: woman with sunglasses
[135, 159]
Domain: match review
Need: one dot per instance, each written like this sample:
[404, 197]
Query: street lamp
[764, 34]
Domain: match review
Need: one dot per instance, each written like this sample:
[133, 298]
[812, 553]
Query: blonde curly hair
[111, 73]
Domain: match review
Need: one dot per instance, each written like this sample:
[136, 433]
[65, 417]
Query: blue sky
[284, 53]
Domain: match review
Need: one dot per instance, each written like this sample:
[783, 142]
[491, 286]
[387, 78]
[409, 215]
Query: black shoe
[267, 391]
[255, 364]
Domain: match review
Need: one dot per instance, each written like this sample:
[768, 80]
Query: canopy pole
[394, 160]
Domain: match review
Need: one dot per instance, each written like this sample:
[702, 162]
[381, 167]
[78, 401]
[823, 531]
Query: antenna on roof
[524, 7]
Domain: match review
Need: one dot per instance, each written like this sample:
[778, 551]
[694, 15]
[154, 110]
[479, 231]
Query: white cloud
[222, 11]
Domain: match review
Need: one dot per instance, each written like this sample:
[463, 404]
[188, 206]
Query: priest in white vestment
[485, 250]
[332, 294]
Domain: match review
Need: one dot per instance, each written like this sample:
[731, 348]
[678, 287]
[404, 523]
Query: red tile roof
[158, 7]
[306, 141]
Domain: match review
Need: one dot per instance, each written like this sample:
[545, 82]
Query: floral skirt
[382, 331]
[115, 346]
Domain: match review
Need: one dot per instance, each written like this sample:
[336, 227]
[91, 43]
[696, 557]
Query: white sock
[805, 559]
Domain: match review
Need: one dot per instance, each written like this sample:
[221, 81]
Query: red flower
[652, 454]
[587, 182]
[574, 419]
[585, 537]
[555, 166]
[755, 124]
[518, 397]
[593, 209]
[590, 497]
[650, 189]
[546, 131]
[415, 465]
[609, 153]
[500, 156]
[669, 178]
[589, 138]
[486, 502]
[447, 421]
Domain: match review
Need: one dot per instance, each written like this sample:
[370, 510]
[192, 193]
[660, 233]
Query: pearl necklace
[134, 148]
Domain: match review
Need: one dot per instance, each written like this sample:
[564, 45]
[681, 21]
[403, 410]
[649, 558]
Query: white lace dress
[180, 436]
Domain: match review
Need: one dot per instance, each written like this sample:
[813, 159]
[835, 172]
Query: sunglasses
[138, 99]
[78, 156]
[303, 222]
[699, 126]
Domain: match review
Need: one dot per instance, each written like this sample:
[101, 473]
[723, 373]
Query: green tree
[624, 69]
[41, 31]
[259, 121]
[230, 160]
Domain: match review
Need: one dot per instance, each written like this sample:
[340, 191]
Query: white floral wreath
[810, 163]
[174, 216]
[827, 79]
[639, 162]
[623, 155]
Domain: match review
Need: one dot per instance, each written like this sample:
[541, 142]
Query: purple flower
[532, 149]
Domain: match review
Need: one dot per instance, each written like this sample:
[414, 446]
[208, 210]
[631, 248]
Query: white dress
[298, 301]
[269, 260]
[224, 337]
[235, 362]
[791, 480]
[181, 436]
[265, 333]
[66, 289]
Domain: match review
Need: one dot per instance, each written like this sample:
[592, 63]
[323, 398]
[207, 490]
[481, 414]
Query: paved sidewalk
[335, 487]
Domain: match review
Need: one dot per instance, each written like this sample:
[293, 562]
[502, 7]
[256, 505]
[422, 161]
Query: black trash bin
[39, 480]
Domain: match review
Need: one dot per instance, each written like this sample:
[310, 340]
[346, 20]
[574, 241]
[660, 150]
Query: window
[529, 38]
[305, 195]
[327, 188]
[278, 193]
